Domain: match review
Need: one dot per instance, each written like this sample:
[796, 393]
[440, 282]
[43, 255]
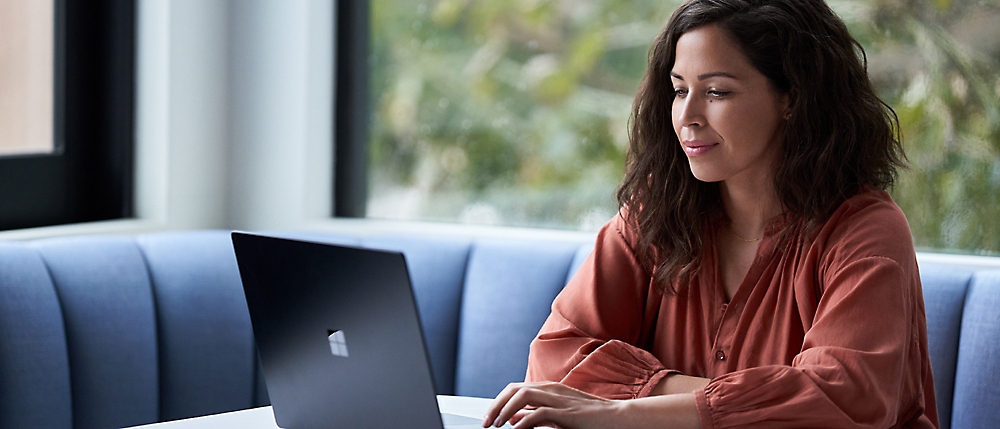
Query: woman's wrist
[665, 411]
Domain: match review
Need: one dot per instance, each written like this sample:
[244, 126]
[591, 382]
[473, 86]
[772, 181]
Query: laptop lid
[338, 334]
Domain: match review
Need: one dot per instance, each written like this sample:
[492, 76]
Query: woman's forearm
[679, 383]
[671, 404]
[675, 411]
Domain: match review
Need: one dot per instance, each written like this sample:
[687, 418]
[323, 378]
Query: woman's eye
[680, 93]
[714, 93]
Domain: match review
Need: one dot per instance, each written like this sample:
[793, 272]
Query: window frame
[88, 176]
[352, 112]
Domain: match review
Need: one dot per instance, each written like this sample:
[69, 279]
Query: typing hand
[529, 405]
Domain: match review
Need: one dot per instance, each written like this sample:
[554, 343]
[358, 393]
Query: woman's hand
[528, 405]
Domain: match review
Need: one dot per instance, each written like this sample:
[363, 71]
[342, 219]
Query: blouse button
[720, 355]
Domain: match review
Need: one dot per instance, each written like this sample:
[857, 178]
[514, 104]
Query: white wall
[281, 113]
[248, 117]
[182, 134]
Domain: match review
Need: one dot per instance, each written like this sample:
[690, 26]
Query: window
[504, 112]
[936, 64]
[516, 112]
[67, 85]
[27, 45]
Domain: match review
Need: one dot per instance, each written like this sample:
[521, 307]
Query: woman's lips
[698, 147]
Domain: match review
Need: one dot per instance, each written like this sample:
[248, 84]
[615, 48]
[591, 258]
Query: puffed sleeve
[588, 341]
[861, 363]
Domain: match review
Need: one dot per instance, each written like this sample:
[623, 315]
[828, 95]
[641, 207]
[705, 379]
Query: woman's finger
[498, 403]
[518, 396]
[542, 416]
[519, 415]
[535, 396]
[501, 401]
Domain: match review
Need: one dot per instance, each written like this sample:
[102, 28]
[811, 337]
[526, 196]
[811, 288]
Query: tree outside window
[516, 112]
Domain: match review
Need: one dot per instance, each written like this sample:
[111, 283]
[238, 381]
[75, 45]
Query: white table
[263, 418]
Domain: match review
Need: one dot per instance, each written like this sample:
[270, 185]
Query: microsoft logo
[338, 344]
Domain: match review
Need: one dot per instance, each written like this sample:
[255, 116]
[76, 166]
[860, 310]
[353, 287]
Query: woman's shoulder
[869, 224]
[870, 205]
[619, 241]
[622, 228]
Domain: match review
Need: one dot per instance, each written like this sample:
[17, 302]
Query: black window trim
[89, 176]
[352, 117]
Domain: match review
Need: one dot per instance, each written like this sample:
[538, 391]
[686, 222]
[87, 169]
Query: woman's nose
[689, 112]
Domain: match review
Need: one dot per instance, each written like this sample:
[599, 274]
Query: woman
[758, 274]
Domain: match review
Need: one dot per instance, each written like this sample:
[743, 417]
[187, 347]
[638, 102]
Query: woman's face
[726, 114]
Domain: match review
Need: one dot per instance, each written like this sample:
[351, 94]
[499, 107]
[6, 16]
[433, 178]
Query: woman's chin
[706, 175]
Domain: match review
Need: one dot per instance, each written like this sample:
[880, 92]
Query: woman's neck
[749, 206]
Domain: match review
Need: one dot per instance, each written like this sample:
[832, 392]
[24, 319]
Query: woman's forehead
[709, 51]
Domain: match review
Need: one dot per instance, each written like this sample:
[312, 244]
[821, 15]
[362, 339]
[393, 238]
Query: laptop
[339, 336]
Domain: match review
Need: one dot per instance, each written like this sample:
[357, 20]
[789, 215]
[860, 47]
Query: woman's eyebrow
[706, 75]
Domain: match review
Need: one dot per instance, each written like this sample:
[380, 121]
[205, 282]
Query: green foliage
[504, 111]
[936, 63]
[516, 112]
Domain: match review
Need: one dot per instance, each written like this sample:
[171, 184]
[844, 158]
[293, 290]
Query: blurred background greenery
[516, 112]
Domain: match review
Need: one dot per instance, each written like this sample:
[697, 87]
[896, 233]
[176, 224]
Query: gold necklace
[745, 240]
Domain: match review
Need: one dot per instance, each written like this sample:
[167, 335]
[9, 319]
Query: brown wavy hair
[839, 137]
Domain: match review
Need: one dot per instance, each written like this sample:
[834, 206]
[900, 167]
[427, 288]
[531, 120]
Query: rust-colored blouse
[828, 332]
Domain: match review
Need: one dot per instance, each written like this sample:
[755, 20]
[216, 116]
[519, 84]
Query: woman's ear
[787, 101]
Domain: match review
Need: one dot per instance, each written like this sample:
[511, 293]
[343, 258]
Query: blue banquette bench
[112, 331]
